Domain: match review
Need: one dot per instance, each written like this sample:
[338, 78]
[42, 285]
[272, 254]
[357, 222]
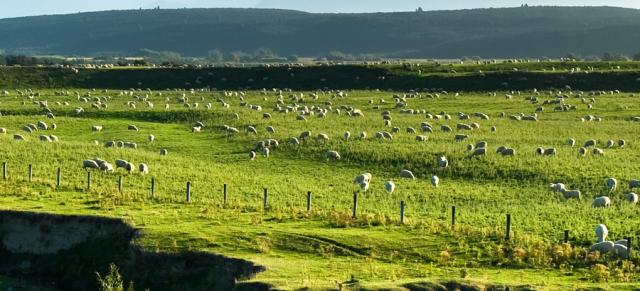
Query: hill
[489, 33]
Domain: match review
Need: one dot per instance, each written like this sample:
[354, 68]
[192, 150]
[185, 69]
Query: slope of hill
[505, 32]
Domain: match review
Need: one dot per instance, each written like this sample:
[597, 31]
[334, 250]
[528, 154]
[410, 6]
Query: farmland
[325, 247]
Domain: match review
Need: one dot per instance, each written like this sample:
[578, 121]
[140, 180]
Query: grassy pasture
[325, 247]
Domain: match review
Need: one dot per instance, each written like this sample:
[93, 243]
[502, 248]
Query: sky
[16, 8]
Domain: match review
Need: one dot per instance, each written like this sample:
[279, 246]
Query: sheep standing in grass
[435, 181]
[132, 127]
[163, 152]
[332, 155]
[364, 177]
[632, 198]
[270, 129]
[96, 128]
[304, 135]
[143, 168]
[407, 174]
[121, 164]
[590, 143]
[571, 142]
[443, 163]
[634, 184]
[363, 135]
[265, 152]
[602, 201]
[598, 152]
[151, 138]
[18, 137]
[252, 155]
[130, 167]
[582, 151]
[389, 186]
[347, 135]
[90, 164]
[601, 245]
[567, 194]
[611, 184]
[622, 143]
[479, 152]
[610, 143]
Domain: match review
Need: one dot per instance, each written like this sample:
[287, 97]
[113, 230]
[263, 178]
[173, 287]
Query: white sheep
[622, 143]
[435, 181]
[389, 186]
[18, 137]
[163, 152]
[443, 163]
[252, 155]
[347, 135]
[479, 152]
[363, 177]
[265, 152]
[363, 135]
[270, 129]
[611, 184]
[90, 164]
[610, 143]
[590, 143]
[598, 152]
[121, 164]
[569, 194]
[151, 138]
[571, 142]
[634, 184]
[294, 141]
[322, 137]
[251, 130]
[96, 128]
[601, 245]
[407, 174]
[582, 151]
[130, 167]
[3, 130]
[332, 155]
[143, 168]
[602, 201]
[132, 127]
[421, 138]
[632, 198]
[364, 185]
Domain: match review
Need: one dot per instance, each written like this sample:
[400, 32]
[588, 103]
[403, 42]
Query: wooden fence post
[188, 191]
[402, 205]
[508, 234]
[355, 204]
[30, 172]
[153, 187]
[58, 178]
[265, 201]
[224, 194]
[308, 201]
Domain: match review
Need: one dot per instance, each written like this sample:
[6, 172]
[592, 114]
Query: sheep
[362, 135]
[634, 184]
[611, 184]
[119, 144]
[571, 142]
[407, 174]
[482, 144]
[632, 198]
[347, 135]
[500, 149]
[598, 152]
[151, 138]
[132, 127]
[18, 137]
[610, 143]
[421, 138]
[106, 167]
[601, 245]
[54, 126]
[479, 152]
[364, 177]
[364, 186]
[143, 168]
[42, 126]
[96, 128]
[460, 137]
[462, 126]
[494, 129]
[332, 155]
[294, 141]
[602, 201]
[556, 187]
[445, 128]
[508, 152]
[590, 143]
[121, 164]
[569, 194]
[3, 130]
[251, 130]
[622, 143]
[270, 129]
[265, 152]
[389, 186]
[196, 129]
[470, 147]
[582, 151]
[131, 145]
[44, 138]
[546, 152]
[130, 167]
[435, 181]
[322, 137]
[27, 129]
[252, 155]
[304, 135]
[90, 164]
[164, 152]
[443, 163]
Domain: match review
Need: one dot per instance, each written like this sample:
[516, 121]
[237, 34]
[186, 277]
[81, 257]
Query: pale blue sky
[14, 8]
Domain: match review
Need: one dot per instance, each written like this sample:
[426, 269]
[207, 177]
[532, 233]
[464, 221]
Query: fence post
[628, 247]
[188, 191]
[4, 170]
[508, 234]
[566, 236]
[58, 178]
[88, 181]
[355, 204]
[153, 187]
[308, 201]
[402, 205]
[120, 183]
[30, 172]
[224, 194]
[453, 216]
[265, 199]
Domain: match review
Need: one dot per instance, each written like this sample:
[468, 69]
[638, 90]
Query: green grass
[325, 247]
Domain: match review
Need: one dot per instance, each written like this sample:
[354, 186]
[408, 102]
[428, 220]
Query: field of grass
[322, 248]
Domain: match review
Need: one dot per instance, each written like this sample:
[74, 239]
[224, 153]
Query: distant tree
[215, 56]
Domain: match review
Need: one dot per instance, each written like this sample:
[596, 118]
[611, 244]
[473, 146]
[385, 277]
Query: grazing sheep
[461, 137]
[546, 152]
[90, 164]
[250, 129]
[411, 130]
[96, 128]
[151, 138]
[479, 152]
[407, 174]
[164, 152]
[556, 187]
[421, 138]
[18, 137]
[130, 167]
[364, 177]
[109, 144]
[601, 245]
[252, 155]
[3, 130]
[435, 181]
[143, 168]
[632, 198]
[294, 141]
[582, 151]
[482, 144]
[332, 155]
[389, 186]
[445, 128]
[265, 152]
[610, 143]
[500, 149]
[322, 137]
[462, 126]
[131, 145]
[569, 194]
[508, 152]
[622, 143]
[571, 142]
[304, 135]
[443, 163]
[598, 152]
[590, 143]
[364, 186]
[196, 129]
[611, 184]
[42, 126]
[44, 138]
[470, 147]
[270, 129]
[602, 201]
[363, 135]
[494, 129]
[132, 127]
[347, 135]
[634, 184]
